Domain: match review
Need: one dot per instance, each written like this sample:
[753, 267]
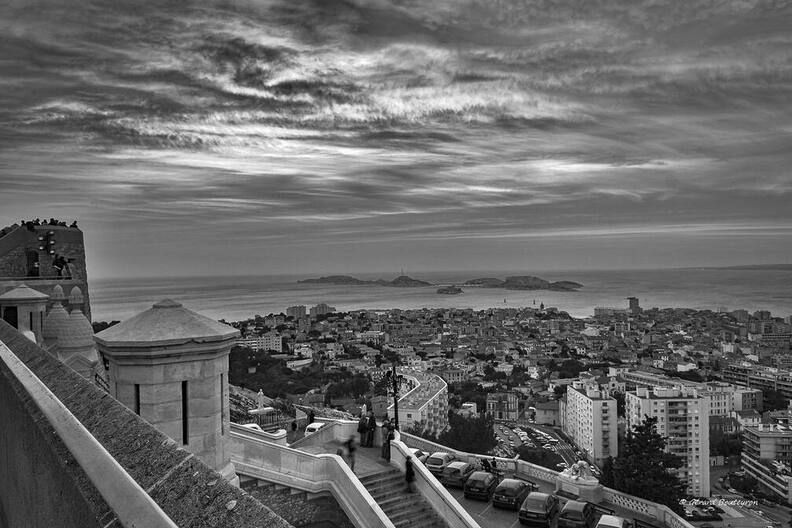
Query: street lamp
[395, 380]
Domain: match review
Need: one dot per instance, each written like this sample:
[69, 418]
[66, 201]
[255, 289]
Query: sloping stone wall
[188, 491]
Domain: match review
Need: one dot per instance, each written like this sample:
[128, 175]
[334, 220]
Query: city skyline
[324, 137]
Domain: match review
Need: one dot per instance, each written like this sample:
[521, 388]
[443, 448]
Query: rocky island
[524, 282]
[450, 290]
[402, 281]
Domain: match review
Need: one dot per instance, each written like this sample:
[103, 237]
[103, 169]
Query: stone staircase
[299, 508]
[405, 510]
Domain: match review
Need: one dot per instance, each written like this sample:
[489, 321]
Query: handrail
[131, 504]
[430, 488]
[257, 457]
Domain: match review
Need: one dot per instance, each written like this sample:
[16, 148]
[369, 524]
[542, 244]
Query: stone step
[379, 476]
[417, 518]
[401, 506]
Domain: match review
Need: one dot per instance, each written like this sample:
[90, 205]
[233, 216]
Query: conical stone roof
[77, 333]
[22, 293]
[165, 323]
[55, 323]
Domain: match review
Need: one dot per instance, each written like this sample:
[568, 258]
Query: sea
[236, 298]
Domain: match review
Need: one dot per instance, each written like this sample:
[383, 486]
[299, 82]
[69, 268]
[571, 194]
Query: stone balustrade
[255, 456]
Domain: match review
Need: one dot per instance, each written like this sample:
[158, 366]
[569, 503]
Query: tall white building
[683, 419]
[426, 403]
[590, 420]
[270, 341]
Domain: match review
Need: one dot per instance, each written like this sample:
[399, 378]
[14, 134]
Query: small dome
[56, 321]
[77, 333]
[76, 296]
[57, 293]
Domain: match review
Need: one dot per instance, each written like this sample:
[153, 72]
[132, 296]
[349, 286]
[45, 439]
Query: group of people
[30, 224]
[367, 425]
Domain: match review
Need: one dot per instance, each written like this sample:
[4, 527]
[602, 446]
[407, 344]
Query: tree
[540, 457]
[774, 400]
[559, 391]
[471, 435]
[606, 478]
[620, 404]
[646, 470]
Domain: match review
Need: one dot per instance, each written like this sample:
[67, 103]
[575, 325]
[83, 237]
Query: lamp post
[396, 380]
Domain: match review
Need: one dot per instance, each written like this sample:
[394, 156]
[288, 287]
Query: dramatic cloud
[274, 136]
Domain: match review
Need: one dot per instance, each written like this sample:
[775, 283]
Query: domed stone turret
[170, 365]
[75, 346]
[55, 322]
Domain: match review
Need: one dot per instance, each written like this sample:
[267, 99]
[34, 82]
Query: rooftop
[165, 323]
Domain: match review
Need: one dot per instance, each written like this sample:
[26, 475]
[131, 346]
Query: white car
[252, 426]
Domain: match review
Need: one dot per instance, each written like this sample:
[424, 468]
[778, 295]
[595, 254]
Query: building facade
[767, 456]
[591, 421]
[683, 418]
[503, 406]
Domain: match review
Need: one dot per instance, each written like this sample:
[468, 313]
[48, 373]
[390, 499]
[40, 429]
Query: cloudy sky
[280, 136]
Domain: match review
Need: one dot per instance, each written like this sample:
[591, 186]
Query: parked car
[480, 485]
[511, 493]
[313, 427]
[612, 521]
[538, 509]
[438, 462]
[419, 455]
[252, 426]
[576, 514]
[456, 473]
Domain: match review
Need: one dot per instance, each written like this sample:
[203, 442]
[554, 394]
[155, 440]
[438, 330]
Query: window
[137, 399]
[30, 327]
[185, 415]
[222, 408]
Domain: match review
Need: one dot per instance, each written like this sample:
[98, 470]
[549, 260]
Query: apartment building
[270, 341]
[760, 377]
[426, 403]
[767, 456]
[683, 418]
[590, 420]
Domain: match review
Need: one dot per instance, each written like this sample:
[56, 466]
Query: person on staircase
[387, 437]
[350, 449]
[371, 427]
[362, 429]
[409, 474]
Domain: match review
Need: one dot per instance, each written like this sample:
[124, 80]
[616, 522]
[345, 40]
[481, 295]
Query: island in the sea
[402, 281]
[520, 282]
[524, 282]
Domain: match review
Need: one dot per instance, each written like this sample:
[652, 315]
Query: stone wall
[189, 492]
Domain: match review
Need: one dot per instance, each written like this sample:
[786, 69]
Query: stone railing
[131, 504]
[333, 431]
[534, 472]
[520, 467]
[256, 457]
[644, 507]
[58, 434]
[441, 501]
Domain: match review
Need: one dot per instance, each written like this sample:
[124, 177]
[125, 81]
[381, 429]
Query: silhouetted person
[362, 429]
[371, 427]
[311, 417]
[409, 473]
[350, 449]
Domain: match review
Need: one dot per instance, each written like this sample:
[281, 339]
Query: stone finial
[76, 296]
